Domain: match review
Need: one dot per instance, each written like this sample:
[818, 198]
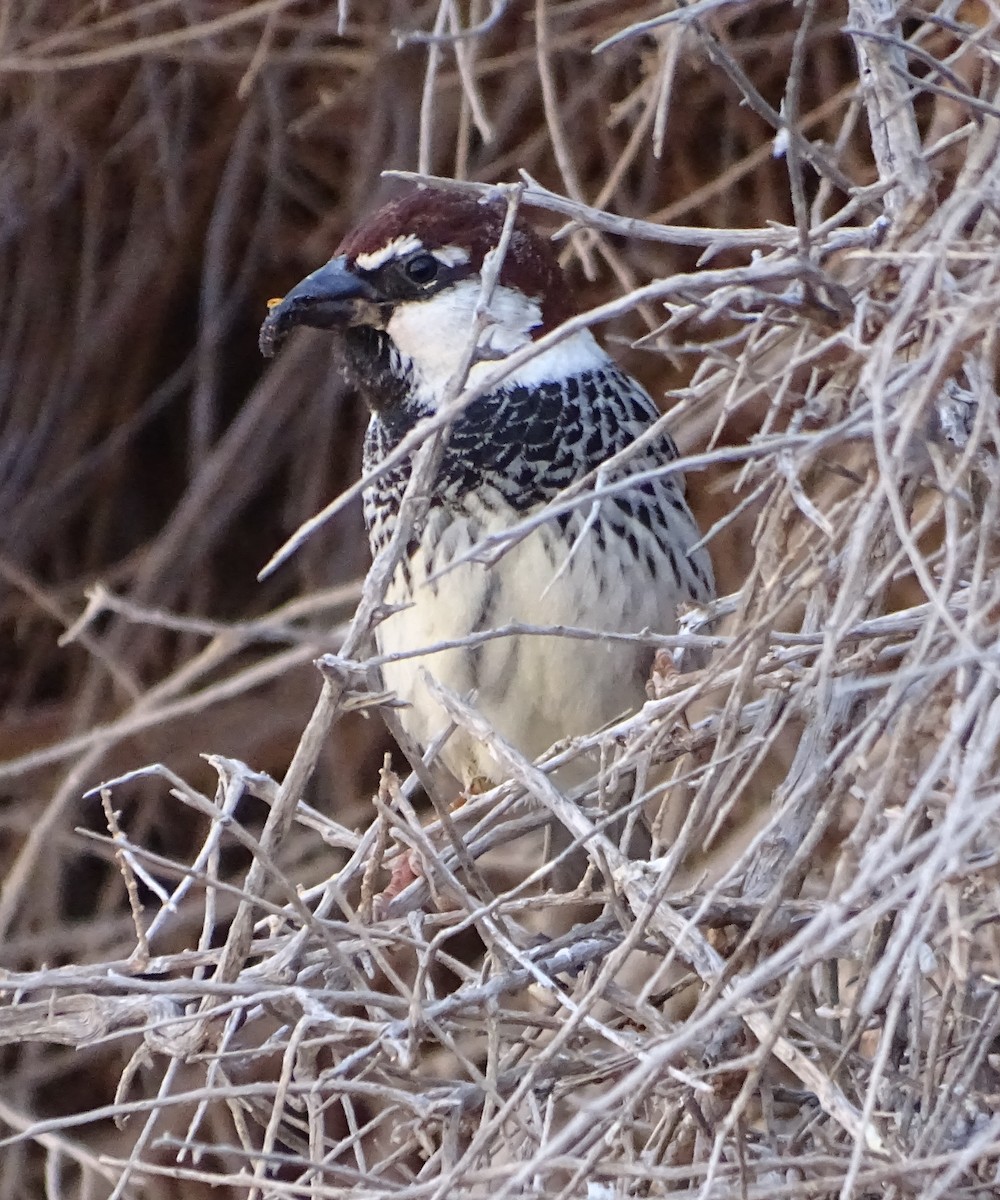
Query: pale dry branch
[797, 996]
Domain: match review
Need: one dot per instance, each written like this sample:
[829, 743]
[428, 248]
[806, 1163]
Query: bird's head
[412, 273]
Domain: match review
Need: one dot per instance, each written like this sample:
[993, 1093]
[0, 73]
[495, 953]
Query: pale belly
[535, 690]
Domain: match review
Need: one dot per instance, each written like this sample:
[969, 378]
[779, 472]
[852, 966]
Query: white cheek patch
[405, 244]
[433, 334]
[574, 355]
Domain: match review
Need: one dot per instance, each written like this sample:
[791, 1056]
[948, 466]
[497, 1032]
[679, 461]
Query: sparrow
[400, 294]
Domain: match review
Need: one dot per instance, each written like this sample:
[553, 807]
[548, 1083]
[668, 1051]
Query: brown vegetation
[791, 215]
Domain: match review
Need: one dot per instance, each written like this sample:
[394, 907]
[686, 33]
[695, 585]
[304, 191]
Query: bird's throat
[375, 368]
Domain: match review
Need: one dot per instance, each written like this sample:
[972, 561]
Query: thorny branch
[797, 996]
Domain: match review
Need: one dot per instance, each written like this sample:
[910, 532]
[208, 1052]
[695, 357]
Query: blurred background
[168, 166]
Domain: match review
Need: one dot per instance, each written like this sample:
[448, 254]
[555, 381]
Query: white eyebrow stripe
[404, 244]
[451, 256]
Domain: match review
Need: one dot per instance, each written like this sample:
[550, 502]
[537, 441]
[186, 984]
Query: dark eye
[422, 268]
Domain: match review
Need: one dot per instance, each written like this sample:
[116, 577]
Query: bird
[401, 293]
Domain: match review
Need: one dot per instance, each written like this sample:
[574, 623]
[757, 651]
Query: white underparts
[534, 690]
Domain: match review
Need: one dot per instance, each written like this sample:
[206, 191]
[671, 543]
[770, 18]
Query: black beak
[333, 297]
